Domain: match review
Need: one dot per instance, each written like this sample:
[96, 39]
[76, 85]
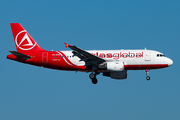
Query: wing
[85, 56]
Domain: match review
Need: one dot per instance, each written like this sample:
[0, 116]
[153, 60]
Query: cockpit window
[160, 55]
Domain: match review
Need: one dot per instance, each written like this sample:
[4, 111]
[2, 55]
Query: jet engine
[112, 66]
[116, 75]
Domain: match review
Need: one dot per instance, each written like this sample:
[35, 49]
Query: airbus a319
[111, 63]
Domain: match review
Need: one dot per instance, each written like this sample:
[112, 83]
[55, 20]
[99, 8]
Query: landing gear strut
[147, 73]
[92, 76]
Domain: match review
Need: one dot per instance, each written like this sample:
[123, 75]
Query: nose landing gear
[148, 78]
[147, 73]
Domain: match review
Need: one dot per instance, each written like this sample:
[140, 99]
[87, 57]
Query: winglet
[67, 45]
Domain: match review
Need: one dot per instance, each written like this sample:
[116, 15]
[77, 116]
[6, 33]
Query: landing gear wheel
[147, 74]
[94, 81]
[92, 76]
[148, 78]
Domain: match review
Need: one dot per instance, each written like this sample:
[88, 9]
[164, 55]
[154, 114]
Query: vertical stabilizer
[23, 41]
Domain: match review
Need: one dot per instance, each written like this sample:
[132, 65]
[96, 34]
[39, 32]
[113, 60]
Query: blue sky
[29, 92]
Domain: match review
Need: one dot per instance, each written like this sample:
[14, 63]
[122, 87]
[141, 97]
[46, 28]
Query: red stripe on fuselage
[58, 60]
[66, 58]
[143, 67]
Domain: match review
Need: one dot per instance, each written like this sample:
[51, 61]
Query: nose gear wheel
[147, 74]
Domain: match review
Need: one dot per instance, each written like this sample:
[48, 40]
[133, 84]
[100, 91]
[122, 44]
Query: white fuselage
[129, 57]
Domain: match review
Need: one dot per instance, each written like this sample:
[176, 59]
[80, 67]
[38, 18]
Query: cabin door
[45, 57]
[147, 55]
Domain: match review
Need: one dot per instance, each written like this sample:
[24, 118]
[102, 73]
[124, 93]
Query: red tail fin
[23, 41]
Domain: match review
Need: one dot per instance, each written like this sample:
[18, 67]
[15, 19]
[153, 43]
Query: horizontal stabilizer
[20, 55]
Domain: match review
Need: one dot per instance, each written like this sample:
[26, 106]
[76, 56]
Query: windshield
[160, 55]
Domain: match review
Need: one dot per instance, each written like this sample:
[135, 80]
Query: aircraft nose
[170, 62]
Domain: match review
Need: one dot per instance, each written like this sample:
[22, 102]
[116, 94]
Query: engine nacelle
[116, 75]
[112, 66]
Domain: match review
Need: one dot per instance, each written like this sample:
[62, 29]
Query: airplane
[111, 63]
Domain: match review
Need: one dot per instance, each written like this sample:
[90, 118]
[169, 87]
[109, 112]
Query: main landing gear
[147, 73]
[92, 76]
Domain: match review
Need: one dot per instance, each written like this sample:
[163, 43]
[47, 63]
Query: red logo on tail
[24, 41]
